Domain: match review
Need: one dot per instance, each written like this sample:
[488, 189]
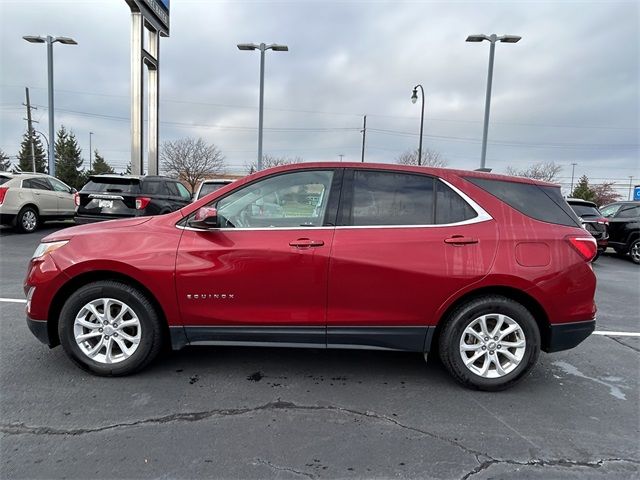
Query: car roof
[131, 177]
[406, 168]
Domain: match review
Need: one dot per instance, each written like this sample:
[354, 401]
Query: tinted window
[4, 180]
[610, 210]
[37, 184]
[172, 189]
[153, 187]
[450, 207]
[389, 198]
[113, 185]
[290, 200]
[585, 211]
[539, 202]
[628, 212]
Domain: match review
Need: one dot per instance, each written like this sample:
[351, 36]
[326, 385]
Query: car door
[66, 206]
[625, 220]
[262, 275]
[404, 244]
[43, 195]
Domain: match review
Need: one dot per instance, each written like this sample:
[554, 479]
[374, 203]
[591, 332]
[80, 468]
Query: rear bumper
[40, 330]
[84, 219]
[568, 335]
[7, 218]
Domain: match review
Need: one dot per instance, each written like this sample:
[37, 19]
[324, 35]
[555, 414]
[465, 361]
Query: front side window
[389, 198]
[184, 193]
[290, 200]
[610, 210]
[58, 186]
[629, 212]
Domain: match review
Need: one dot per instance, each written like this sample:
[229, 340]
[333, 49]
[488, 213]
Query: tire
[27, 220]
[132, 345]
[598, 253]
[634, 251]
[469, 317]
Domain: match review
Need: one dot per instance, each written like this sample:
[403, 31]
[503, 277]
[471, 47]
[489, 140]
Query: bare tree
[269, 161]
[190, 160]
[547, 171]
[430, 158]
[605, 193]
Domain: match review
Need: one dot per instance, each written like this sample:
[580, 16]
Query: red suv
[488, 269]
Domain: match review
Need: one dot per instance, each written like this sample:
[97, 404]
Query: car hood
[97, 227]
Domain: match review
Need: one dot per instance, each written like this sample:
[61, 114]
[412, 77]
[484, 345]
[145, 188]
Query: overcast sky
[568, 91]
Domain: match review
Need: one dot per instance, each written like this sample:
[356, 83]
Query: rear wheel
[490, 343]
[110, 328]
[634, 251]
[27, 220]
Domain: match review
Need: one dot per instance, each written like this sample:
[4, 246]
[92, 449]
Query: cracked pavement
[291, 414]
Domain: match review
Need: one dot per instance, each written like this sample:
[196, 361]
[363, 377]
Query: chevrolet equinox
[486, 270]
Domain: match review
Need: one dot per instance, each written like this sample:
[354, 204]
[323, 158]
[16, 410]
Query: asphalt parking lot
[277, 413]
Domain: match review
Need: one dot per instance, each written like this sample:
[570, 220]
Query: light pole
[492, 39]
[90, 152]
[263, 48]
[414, 99]
[573, 171]
[49, 40]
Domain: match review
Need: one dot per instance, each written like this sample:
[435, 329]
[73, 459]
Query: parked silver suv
[28, 199]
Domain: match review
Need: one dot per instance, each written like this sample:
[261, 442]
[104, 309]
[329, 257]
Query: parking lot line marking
[13, 300]
[617, 334]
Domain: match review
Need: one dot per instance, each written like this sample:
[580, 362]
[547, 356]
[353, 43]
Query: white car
[208, 186]
[28, 199]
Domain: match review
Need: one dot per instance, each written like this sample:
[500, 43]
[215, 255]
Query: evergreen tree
[5, 163]
[128, 169]
[583, 190]
[24, 157]
[68, 159]
[100, 165]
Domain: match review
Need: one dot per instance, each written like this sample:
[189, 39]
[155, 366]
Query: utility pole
[90, 152]
[30, 128]
[364, 135]
[630, 186]
[341, 155]
[573, 170]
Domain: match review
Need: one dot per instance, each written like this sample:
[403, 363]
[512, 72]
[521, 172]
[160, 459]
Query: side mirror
[73, 190]
[205, 217]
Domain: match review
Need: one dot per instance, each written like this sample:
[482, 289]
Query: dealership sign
[636, 193]
[153, 11]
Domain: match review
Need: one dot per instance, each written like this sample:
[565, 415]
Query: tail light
[142, 202]
[3, 192]
[585, 246]
[76, 199]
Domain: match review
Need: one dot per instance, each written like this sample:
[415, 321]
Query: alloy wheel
[29, 220]
[107, 330]
[492, 345]
[635, 252]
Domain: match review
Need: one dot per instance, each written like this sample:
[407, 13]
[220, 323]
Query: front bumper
[564, 336]
[40, 329]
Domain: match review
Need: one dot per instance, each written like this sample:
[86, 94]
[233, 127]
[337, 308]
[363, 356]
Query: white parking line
[13, 300]
[617, 334]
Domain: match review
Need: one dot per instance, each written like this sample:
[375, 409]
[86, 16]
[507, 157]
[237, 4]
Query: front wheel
[490, 343]
[110, 328]
[634, 251]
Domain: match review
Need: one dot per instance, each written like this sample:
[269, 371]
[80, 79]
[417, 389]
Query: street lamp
[49, 40]
[263, 48]
[90, 151]
[492, 39]
[414, 99]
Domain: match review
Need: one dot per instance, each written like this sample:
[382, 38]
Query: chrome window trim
[482, 216]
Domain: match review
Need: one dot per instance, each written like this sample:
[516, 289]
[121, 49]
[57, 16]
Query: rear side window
[535, 201]
[450, 207]
[152, 187]
[184, 193]
[36, 184]
[113, 185]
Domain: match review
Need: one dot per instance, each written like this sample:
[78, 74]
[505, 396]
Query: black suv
[108, 197]
[624, 228]
[593, 222]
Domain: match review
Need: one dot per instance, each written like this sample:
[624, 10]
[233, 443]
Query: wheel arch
[530, 303]
[94, 276]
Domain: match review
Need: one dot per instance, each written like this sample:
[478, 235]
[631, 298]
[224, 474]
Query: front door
[261, 277]
[404, 244]
[45, 198]
[66, 205]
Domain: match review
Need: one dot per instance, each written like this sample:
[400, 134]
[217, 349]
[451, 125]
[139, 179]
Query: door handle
[460, 240]
[306, 242]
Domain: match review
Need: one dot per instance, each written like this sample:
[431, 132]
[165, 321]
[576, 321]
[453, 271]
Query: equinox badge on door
[211, 296]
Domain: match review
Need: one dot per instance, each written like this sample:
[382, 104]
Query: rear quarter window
[544, 203]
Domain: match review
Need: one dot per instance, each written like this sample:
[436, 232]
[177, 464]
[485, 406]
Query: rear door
[45, 198]
[404, 244]
[109, 197]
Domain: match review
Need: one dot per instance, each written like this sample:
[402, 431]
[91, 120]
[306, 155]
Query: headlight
[48, 247]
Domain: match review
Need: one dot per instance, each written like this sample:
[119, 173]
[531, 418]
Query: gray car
[28, 199]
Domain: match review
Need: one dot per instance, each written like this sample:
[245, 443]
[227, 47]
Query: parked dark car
[624, 228]
[109, 197]
[593, 221]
